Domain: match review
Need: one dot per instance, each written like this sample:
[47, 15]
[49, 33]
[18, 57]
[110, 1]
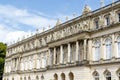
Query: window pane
[107, 20]
[119, 17]
[118, 49]
[108, 50]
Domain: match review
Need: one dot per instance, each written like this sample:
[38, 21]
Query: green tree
[2, 58]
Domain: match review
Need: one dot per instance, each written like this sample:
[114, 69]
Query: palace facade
[84, 48]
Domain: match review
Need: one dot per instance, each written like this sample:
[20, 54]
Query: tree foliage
[2, 58]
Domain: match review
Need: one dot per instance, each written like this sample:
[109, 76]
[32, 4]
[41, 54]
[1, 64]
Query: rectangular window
[108, 52]
[107, 20]
[97, 24]
[97, 53]
[119, 17]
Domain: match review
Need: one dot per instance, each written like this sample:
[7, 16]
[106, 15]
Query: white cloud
[15, 23]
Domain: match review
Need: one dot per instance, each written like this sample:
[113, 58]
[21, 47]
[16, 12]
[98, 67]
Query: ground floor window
[108, 76]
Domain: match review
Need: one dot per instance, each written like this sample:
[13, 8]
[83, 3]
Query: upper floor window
[118, 47]
[119, 17]
[108, 52]
[97, 51]
[96, 24]
[107, 19]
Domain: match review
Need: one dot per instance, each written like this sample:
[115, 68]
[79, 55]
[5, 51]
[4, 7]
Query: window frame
[97, 46]
[108, 48]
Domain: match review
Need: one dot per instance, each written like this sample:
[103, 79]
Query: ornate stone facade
[84, 48]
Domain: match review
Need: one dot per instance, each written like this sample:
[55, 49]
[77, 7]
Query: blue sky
[20, 18]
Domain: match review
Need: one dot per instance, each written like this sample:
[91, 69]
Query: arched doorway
[62, 76]
[71, 76]
[55, 76]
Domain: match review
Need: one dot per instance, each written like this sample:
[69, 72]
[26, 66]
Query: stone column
[35, 61]
[77, 51]
[54, 55]
[69, 52]
[85, 48]
[61, 54]
[89, 56]
[49, 57]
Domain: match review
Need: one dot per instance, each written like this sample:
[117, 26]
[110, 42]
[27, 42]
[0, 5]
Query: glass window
[108, 44]
[96, 24]
[119, 17]
[97, 51]
[107, 20]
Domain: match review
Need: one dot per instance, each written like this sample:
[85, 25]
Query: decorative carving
[86, 9]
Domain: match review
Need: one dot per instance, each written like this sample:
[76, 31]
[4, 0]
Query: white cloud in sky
[11, 19]
[15, 22]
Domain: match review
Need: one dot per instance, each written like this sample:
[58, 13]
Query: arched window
[71, 76]
[29, 78]
[96, 75]
[118, 47]
[108, 52]
[107, 75]
[12, 78]
[62, 76]
[42, 77]
[20, 78]
[24, 78]
[97, 50]
[37, 78]
[55, 76]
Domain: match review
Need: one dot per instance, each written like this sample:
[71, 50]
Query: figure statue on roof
[86, 9]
